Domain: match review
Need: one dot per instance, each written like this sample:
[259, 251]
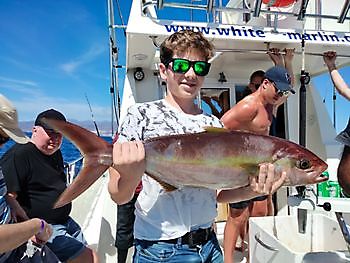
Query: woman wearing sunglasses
[171, 226]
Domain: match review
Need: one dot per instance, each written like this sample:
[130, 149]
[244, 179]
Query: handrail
[212, 7]
[70, 170]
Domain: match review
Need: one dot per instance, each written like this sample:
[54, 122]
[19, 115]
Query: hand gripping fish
[215, 159]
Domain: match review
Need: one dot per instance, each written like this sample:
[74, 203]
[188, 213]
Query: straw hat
[9, 121]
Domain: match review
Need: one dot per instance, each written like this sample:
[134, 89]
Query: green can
[333, 189]
[322, 188]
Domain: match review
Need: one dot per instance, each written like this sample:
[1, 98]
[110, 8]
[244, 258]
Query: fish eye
[303, 164]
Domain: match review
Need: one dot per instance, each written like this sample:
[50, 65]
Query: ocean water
[69, 151]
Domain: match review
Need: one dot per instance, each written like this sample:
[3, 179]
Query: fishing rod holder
[304, 77]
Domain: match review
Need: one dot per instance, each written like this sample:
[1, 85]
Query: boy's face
[183, 85]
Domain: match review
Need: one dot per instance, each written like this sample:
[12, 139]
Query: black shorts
[125, 224]
[246, 203]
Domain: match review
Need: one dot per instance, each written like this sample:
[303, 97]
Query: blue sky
[52, 53]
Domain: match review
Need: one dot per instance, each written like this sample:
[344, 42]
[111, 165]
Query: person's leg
[262, 207]
[235, 226]
[125, 229]
[86, 256]
[68, 243]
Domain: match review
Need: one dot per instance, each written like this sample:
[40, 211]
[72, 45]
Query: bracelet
[42, 226]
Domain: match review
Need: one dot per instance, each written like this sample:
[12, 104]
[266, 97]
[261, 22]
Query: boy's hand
[129, 158]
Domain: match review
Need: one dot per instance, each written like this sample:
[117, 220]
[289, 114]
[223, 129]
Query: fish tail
[96, 153]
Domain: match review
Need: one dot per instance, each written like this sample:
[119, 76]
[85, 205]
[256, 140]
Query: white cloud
[90, 55]
[73, 110]
[16, 81]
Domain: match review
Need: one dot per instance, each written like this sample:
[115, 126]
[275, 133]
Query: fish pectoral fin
[167, 187]
[215, 129]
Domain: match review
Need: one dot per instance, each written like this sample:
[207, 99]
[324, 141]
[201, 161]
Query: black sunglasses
[4, 139]
[181, 65]
[279, 92]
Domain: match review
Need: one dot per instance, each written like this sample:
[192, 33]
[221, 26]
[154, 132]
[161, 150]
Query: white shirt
[161, 215]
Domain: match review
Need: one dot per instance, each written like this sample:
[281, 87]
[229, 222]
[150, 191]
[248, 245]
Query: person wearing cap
[34, 174]
[254, 113]
[14, 235]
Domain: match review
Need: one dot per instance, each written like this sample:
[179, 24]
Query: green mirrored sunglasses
[181, 65]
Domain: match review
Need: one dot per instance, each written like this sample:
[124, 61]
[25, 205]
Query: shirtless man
[254, 113]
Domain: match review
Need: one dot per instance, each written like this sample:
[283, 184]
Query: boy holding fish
[175, 226]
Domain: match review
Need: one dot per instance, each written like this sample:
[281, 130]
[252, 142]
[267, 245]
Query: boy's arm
[127, 169]
[264, 184]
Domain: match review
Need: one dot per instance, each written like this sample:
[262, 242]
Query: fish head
[302, 166]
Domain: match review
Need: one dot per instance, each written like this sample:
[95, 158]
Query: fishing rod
[304, 80]
[92, 116]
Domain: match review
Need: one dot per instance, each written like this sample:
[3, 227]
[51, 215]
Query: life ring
[278, 3]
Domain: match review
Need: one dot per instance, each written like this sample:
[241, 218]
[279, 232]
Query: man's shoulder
[20, 149]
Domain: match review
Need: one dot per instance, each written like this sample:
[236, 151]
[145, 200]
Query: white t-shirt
[162, 215]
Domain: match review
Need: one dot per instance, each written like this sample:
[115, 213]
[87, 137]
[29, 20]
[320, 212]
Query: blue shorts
[67, 240]
[246, 203]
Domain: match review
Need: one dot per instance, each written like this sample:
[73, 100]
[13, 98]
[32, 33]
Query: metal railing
[72, 169]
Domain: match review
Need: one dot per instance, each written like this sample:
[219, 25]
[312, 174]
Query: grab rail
[72, 169]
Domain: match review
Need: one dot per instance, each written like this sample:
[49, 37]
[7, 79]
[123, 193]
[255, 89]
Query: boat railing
[72, 169]
[215, 11]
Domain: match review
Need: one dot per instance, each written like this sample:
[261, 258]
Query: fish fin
[167, 187]
[85, 140]
[215, 129]
[93, 148]
[88, 175]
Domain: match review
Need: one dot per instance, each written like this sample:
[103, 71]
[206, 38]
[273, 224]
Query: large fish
[215, 159]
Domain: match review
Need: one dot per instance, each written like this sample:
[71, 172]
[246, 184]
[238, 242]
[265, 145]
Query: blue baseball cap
[280, 77]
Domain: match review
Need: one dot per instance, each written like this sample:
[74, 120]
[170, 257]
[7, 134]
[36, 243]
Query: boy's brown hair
[182, 41]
